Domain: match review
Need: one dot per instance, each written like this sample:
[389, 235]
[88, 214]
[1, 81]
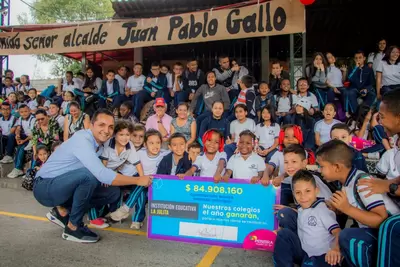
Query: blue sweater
[211, 123]
[165, 165]
[103, 91]
[361, 78]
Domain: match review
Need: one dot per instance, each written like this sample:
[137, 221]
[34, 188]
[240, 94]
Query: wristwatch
[393, 188]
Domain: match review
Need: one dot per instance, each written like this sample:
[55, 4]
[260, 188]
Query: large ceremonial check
[197, 210]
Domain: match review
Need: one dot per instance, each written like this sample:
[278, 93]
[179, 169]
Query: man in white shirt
[133, 86]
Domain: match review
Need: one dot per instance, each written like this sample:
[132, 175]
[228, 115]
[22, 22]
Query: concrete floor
[33, 241]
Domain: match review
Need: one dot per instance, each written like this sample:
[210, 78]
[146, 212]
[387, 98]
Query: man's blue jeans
[77, 191]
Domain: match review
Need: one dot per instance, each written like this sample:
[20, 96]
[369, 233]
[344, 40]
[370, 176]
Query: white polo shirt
[69, 87]
[246, 169]
[324, 130]
[6, 125]
[125, 162]
[135, 84]
[150, 164]
[310, 97]
[278, 161]
[390, 73]
[375, 60]
[32, 104]
[26, 125]
[314, 228]
[335, 76]
[208, 167]
[267, 134]
[121, 82]
[387, 165]
[60, 120]
[284, 103]
[370, 202]
[237, 127]
[169, 80]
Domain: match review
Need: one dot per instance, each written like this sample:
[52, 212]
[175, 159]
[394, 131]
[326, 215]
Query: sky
[26, 64]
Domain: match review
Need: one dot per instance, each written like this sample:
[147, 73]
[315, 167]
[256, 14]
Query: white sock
[125, 207]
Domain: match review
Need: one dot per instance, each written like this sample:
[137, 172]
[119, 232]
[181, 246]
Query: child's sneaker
[99, 223]
[7, 160]
[15, 173]
[120, 214]
[136, 225]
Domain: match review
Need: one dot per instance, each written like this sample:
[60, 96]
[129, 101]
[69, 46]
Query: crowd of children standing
[223, 124]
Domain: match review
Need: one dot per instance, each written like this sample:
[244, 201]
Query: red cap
[160, 102]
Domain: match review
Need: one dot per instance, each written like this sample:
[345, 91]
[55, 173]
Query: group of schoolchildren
[266, 133]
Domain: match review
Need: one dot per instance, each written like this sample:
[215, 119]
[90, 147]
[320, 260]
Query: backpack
[29, 179]
[395, 199]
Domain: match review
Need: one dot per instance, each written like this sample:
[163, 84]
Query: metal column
[4, 21]
[298, 56]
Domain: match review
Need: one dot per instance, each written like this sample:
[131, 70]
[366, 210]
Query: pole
[83, 62]
[291, 65]
[265, 60]
[304, 53]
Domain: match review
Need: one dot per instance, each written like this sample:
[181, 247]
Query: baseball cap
[304, 103]
[160, 102]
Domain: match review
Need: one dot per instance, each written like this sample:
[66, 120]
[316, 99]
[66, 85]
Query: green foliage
[62, 11]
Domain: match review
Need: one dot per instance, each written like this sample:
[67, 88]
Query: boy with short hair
[137, 137]
[178, 91]
[177, 162]
[303, 93]
[276, 76]
[155, 86]
[8, 87]
[285, 102]
[369, 210]
[361, 79]
[23, 134]
[295, 159]
[193, 77]
[7, 128]
[109, 89]
[247, 95]
[341, 131]
[194, 150]
[315, 242]
[264, 98]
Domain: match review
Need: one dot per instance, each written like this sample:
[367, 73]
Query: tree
[62, 11]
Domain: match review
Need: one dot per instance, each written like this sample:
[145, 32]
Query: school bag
[29, 179]
[395, 199]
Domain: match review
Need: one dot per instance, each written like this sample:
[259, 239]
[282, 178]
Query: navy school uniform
[359, 245]
[360, 78]
[389, 242]
[211, 123]
[165, 167]
[359, 160]
[313, 239]
[158, 85]
[191, 82]
[103, 94]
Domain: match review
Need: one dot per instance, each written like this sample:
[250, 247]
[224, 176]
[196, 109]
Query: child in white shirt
[246, 165]
[237, 126]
